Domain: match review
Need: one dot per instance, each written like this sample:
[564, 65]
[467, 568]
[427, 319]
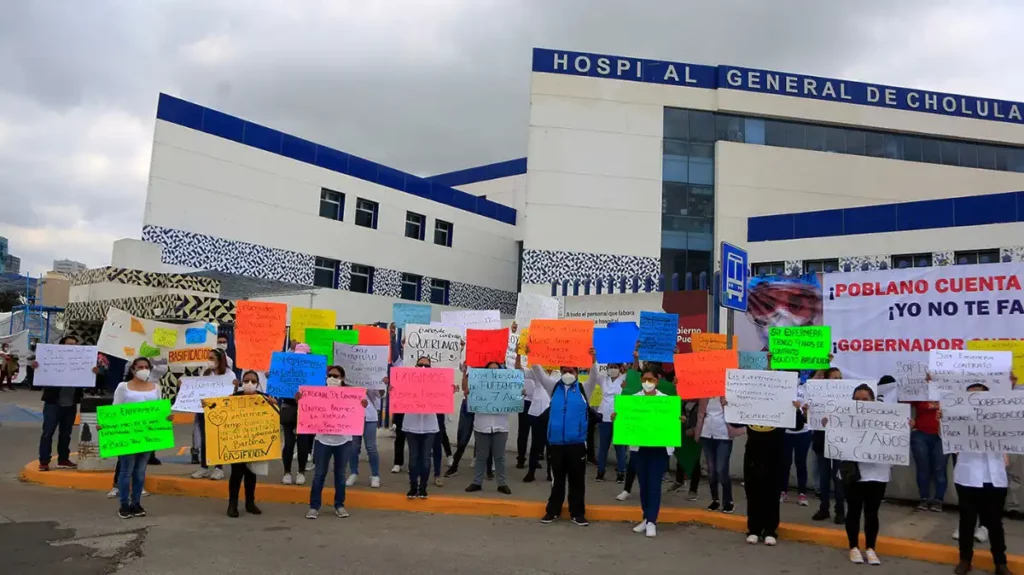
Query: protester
[394, 360]
[462, 436]
[9, 366]
[243, 472]
[420, 429]
[369, 436]
[325, 447]
[440, 443]
[930, 463]
[688, 454]
[567, 435]
[523, 430]
[716, 437]
[490, 431]
[796, 444]
[60, 407]
[611, 385]
[829, 484]
[217, 365]
[292, 439]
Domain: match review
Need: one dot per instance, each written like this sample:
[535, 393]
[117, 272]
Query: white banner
[65, 365]
[820, 391]
[365, 365]
[603, 309]
[983, 422]
[754, 397]
[194, 390]
[954, 371]
[868, 431]
[886, 322]
[531, 306]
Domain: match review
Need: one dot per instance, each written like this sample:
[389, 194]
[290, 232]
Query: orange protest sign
[702, 374]
[259, 332]
[372, 335]
[711, 341]
[561, 342]
[486, 345]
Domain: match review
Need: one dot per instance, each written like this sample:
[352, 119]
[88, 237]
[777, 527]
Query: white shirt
[372, 399]
[333, 440]
[539, 399]
[420, 423]
[878, 472]
[490, 422]
[801, 393]
[714, 421]
[124, 395]
[670, 450]
[609, 389]
[977, 469]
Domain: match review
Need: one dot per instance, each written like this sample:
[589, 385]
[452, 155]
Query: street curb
[455, 505]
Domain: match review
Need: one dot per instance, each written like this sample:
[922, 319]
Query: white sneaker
[113, 493]
[200, 473]
[622, 497]
[375, 482]
[770, 541]
[872, 557]
[310, 467]
[341, 512]
[451, 461]
[287, 479]
[956, 534]
[217, 475]
[652, 530]
[145, 493]
[640, 527]
[396, 469]
[981, 534]
[351, 480]
[300, 479]
[312, 514]
[752, 539]
[855, 556]
[438, 481]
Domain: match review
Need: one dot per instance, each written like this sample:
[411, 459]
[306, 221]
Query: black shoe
[840, 518]
[124, 512]
[821, 515]
[962, 568]
[620, 478]
[251, 508]
[154, 461]
[195, 460]
[715, 506]
[521, 464]
[728, 508]
[473, 487]
[233, 509]
[138, 511]
[421, 493]
[600, 476]
[548, 518]
[412, 493]
[452, 471]
[581, 521]
[530, 477]
[503, 489]
[490, 476]
[676, 486]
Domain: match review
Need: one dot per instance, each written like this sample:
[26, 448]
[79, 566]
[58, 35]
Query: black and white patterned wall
[546, 266]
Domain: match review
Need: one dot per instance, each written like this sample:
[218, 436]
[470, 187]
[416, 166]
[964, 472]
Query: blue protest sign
[404, 314]
[290, 370]
[658, 336]
[194, 335]
[495, 391]
[754, 360]
[615, 344]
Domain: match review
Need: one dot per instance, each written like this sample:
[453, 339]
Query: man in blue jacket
[567, 440]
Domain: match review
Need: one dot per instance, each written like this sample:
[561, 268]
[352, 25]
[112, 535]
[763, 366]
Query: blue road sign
[734, 277]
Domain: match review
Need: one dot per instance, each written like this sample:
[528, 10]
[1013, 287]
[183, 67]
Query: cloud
[427, 87]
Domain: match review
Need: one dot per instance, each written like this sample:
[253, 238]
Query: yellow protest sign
[165, 337]
[240, 429]
[597, 395]
[303, 318]
[1014, 346]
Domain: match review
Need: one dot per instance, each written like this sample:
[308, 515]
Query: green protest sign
[130, 428]
[321, 341]
[805, 347]
[648, 421]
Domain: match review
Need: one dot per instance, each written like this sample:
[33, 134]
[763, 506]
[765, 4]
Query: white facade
[68, 267]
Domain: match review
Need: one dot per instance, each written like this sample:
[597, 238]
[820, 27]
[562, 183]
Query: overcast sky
[427, 86]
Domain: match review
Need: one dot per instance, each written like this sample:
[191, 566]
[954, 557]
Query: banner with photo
[778, 301]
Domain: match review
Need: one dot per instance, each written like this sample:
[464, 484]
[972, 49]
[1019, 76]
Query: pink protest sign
[422, 390]
[332, 410]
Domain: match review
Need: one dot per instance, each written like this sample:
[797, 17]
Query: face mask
[211, 364]
[222, 346]
[568, 378]
[649, 386]
[248, 387]
[333, 381]
[613, 372]
[142, 374]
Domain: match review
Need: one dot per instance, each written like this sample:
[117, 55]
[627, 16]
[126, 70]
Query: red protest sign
[486, 345]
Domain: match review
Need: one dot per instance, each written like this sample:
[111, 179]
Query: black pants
[443, 432]
[681, 473]
[568, 463]
[291, 440]
[630, 473]
[523, 439]
[593, 418]
[539, 427]
[866, 496]
[985, 503]
[761, 461]
[240, 471]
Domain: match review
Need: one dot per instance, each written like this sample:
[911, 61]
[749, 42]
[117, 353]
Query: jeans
[718, 452]
[650, 469]
[795, 448]
[828, 477]
[464, 432]
[930, 464]
[419, 458]
[61, 420]
[568, 464]
[201, 422]
[132, 478]
[369, 438]
[604, 431]
[866, 496]
[322, 454]
[489, 445]
[984, 503]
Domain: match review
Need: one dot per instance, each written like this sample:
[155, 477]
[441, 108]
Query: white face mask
[222, 346]
[333, 381]
[142, 374]
[248, 387]
[568, 378]
[211, 364]
[648, 386]
[613, 372]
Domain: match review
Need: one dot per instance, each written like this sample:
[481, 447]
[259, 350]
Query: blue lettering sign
[290, 370]
[658, 336]
[495, 391]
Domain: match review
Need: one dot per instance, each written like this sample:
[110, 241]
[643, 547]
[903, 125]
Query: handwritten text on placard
[129, 428]
[647, 421]
[259, 331]
[561, 342]
[365, 365]
[194, 390]
[331, 410]
[983, 422]
[805, 347]
[867, 431]
[290, 370]
[241, 428]
[820, 391]
[442, 344]
[422, 390]
[495, 391]
[65, 365]
[755, 397]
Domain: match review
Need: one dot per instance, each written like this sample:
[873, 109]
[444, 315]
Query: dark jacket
[51, 395]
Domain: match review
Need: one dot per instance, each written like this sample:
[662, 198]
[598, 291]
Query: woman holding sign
[242, 472]
[217, 365]
[491, 432]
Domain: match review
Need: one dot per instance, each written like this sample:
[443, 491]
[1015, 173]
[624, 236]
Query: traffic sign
[734, 277]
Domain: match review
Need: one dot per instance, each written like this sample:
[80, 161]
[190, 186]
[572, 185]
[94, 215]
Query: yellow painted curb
[373, 499]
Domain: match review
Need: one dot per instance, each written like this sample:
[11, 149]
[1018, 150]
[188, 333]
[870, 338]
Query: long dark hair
[131, 370]
[222, 363]
[864, 387]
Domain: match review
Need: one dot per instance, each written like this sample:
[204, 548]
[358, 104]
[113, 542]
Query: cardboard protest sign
[241, 429]
[562, 342]
[259, 332]
[753, 360]
[305, 318]
[867, 431]
[702, 374]
[912, 380]
[954, 371]
[129, 428]
[531, 306]
[982, 422]
[194, 390]
[486, 345]
[755, 397]
[321, 341]
[806, 347]
[442, 344]
[365, 365]
[1014, 346]
[817, 392]
[658, 336]
[128, 337]
[288, 371]
[647, 421]
[704, 341]
[495, 391]
[404, 314]
[422, 390]
[616, 343]
[332, 410]
[472, 319]
[373, 335]
[65, 365]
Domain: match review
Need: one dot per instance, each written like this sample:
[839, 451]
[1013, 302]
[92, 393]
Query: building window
[976, 257]
[366, 213]
[443, 233]
[415, 224]
[439, 291]
[820, 266]
[362, 279]
[411, 287]
[768, 268]
[904, 261]
[325, 272]
[332, 204]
